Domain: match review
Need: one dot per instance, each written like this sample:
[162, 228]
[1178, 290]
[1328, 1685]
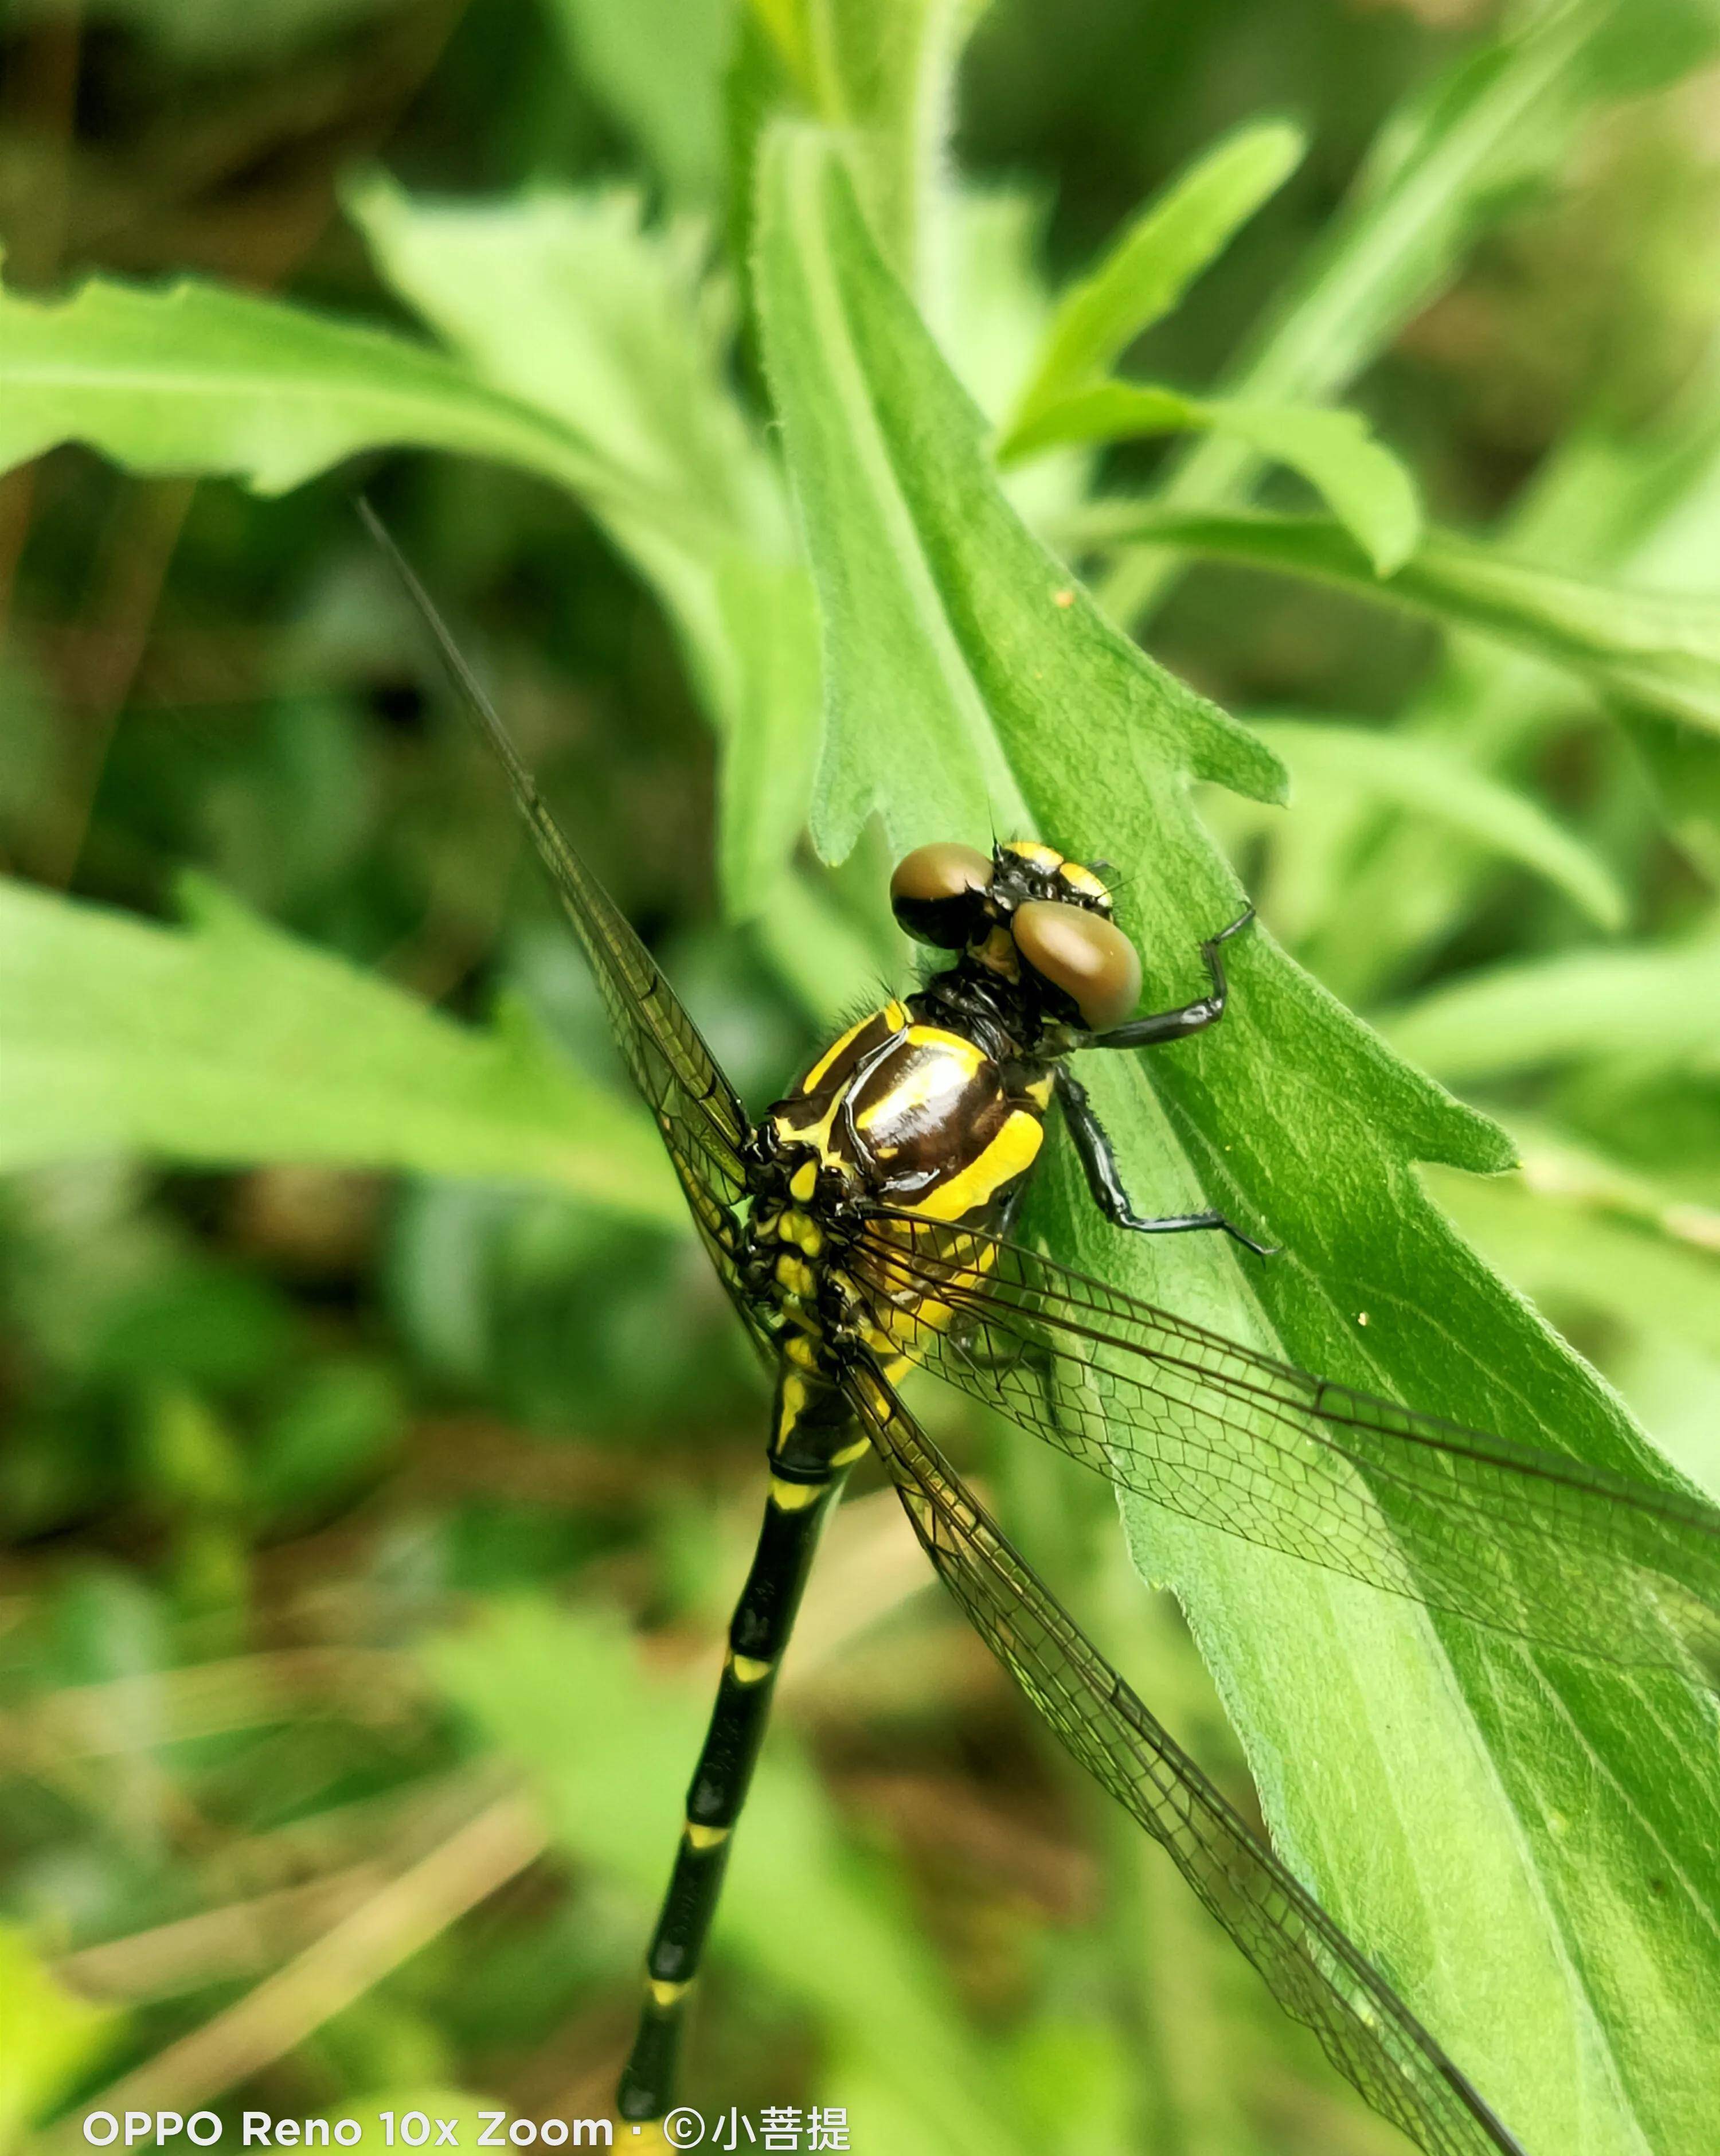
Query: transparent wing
[1526, 1542]
[1312, 1970]
[703, 1123]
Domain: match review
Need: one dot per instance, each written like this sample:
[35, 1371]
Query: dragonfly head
[1039, 922]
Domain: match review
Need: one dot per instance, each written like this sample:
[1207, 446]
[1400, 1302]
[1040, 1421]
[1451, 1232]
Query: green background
[380, 1459]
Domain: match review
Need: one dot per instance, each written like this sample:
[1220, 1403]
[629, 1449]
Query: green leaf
[770, 725]
[787, 24]
[1574, 1258]
[906, 729]
[1659, 1006]
[566, 302]
[1637, 506]
[582, 323]
[1102, 412]
[1657, 650]
[1448, 163]
[818, 953]
[1452, 158]
[1619, 1256]
[1518, 1838]
[800, 1909]
[991, 307]
[989, 313]
[1158, 256]
[1433, 782]
[1368, 490]
[51, 2037]
[658, 66]
[190, 378]
[229, 1042]
[1559, 1166]
[882, 71]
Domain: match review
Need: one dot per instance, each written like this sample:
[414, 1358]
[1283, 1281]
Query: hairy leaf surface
[1498, 1829]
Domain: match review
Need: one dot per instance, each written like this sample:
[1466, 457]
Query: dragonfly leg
[758, 1633]
[1098, 1162]
[1188, 1018]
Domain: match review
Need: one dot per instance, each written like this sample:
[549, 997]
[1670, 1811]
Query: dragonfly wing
[1528, 1542]
[701, 1117]
[1313, 1970]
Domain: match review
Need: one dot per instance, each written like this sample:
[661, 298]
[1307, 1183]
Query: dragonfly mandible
[862, 1229]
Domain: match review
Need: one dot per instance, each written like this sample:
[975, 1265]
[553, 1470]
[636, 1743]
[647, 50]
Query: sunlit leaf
[1556, 1164]
[1433, 782]
[1368, 490]
[907, 731]
[1658, 1005]
[833, 969]
[1659, 649]
[585, 328]
[1637, 505]
[657, 64]
[1145, 271]
[192, 378]
[1456, 155]
[51, 2036]
[1576, 1258]
[988, 313]
[568, 302]
[227, 1042]
[883, 70]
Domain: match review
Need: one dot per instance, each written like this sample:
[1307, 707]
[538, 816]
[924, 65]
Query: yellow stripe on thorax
[794, 1394]
[894, 1016]
[816, 1135]
[954, 1044]
[1010, 1153]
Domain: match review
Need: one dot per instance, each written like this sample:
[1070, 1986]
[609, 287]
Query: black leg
[1099, 1165]
[1190, 1018]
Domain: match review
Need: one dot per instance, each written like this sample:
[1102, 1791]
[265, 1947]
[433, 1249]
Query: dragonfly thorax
[911, 1129]
[910, 1109]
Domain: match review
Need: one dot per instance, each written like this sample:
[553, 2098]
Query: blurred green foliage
[379, 1455]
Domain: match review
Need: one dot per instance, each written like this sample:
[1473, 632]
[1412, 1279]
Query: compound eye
[938, 894]
[1086, 956]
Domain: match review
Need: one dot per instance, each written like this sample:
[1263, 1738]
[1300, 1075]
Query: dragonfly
[862, 1226]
